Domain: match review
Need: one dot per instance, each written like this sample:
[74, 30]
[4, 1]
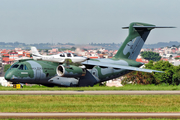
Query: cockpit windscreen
[15, 66]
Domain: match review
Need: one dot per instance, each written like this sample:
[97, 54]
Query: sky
[85, 21]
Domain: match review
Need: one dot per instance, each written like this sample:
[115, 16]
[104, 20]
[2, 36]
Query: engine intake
[70, 71]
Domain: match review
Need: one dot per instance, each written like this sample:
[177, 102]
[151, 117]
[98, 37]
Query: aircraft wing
[113, 65]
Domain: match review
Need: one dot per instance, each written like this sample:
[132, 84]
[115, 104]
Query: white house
[4, 82]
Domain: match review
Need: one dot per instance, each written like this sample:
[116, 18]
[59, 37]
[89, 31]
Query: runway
[89, 115]
[89, 92]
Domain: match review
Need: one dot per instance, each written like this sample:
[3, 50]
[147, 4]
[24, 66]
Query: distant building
[5, 59]
[17, 49]
[54, 50]
[142, 60]
[13, 55]
[175, 62]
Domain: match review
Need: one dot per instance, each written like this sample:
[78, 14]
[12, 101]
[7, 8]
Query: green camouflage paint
[133, 33]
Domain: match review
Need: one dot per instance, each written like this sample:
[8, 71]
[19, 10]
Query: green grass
[93, 119]
[90, 103]
[126, 87]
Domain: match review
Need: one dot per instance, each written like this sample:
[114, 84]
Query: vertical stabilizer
[35, 52]
[138, 33]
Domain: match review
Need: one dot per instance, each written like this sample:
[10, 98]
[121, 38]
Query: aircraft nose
[7, 76]
[85, 58]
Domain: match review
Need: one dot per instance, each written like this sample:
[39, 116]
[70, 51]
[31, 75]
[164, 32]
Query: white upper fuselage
[61, 58]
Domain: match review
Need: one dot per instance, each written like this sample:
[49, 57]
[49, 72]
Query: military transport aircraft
[89, 72]
[60, 58]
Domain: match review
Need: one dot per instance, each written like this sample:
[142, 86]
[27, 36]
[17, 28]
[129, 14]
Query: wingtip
[164, 27]
[125, 27]
[158, 71]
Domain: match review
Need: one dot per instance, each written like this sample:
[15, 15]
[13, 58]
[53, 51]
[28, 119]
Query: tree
[85, 49]
[177, 58]
[6, 67]
[73, 48]
[46, 50]
[149, 55]
[170, 56]
[98, 52]
[142, 78]
[171, 75]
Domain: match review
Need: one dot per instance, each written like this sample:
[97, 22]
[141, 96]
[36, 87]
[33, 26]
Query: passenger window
[21, 67]
[74, 55]
[25, 67]
[68, 54]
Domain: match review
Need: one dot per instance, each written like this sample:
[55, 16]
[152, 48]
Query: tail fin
[35, 52]
[138, 33]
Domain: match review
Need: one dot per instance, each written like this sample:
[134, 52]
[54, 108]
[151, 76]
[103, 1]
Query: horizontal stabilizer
[149, 27]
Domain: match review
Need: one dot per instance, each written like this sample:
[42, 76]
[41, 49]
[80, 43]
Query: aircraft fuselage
[43, 72]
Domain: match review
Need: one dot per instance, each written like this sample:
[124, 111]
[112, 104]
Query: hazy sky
[85, 21]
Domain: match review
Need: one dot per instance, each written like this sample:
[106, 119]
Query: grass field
[90, 103]
[94, 119]
[126, 87]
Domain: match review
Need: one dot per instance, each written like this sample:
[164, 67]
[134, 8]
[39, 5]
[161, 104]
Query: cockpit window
[25, 67]
[21, 67]
[62, 55]
[15, 66]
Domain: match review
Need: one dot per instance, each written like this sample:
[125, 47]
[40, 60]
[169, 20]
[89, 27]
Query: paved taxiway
[89, 115]
[89, 92]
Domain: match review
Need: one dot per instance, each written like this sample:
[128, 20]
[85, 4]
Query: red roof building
[93, 57]
[6, 55]
[13, 55]
[4, 51]
[141, 60]
[164, 59]
[177, 56]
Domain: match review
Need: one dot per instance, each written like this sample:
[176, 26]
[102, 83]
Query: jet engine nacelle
[70, 71]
